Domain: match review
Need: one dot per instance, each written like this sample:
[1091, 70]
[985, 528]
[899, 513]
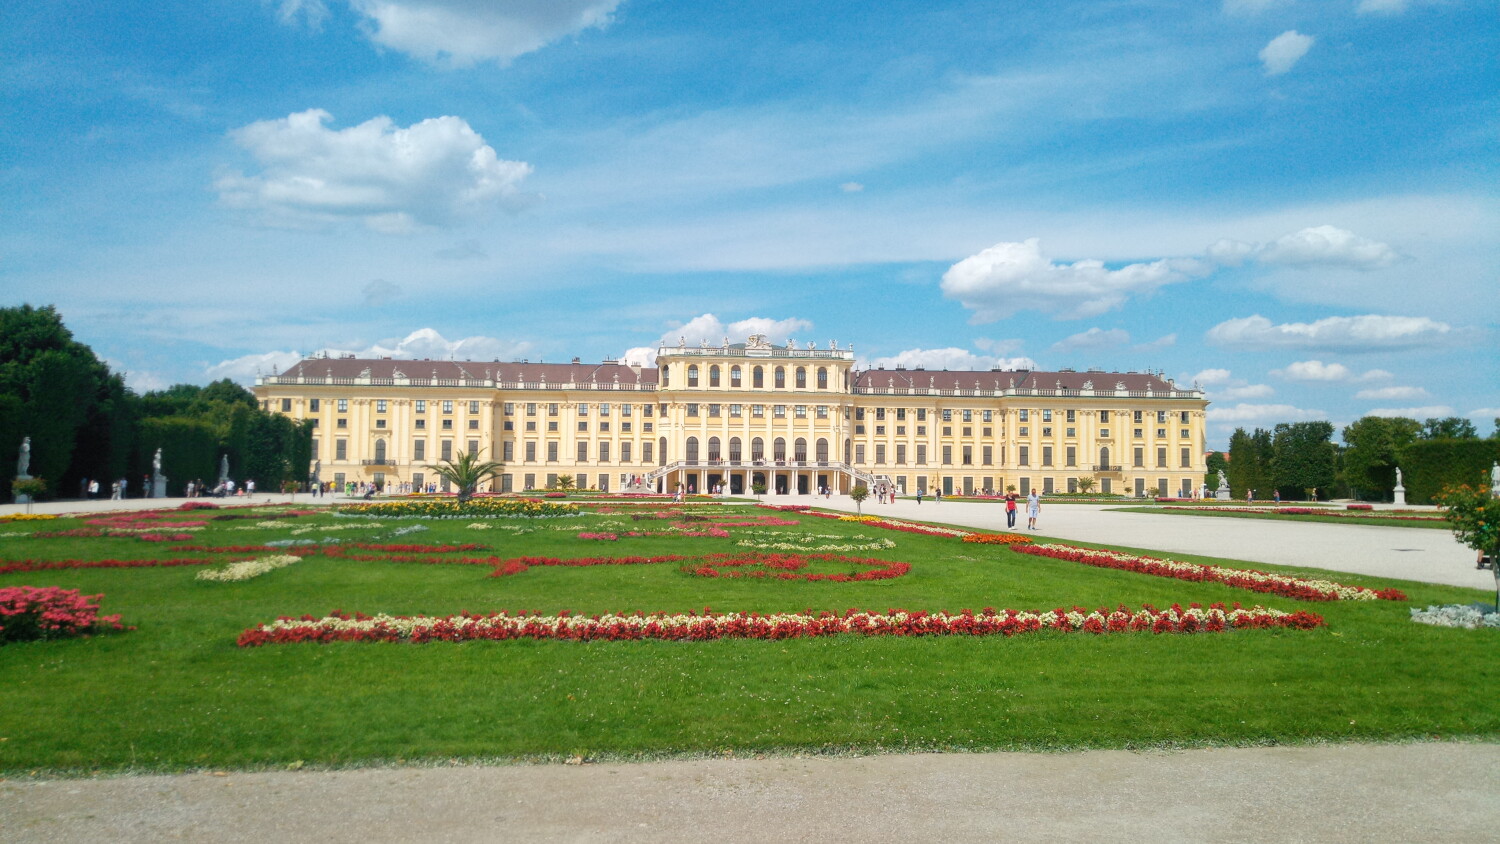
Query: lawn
[1425, 519]
[177, 693]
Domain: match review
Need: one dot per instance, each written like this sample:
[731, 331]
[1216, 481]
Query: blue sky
[1291, 202]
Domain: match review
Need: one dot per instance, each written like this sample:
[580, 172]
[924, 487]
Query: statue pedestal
[159, 487]
[21, 497]
[1221, 494]
[1400, 497]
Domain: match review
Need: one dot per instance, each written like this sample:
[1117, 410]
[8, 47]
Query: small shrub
[50, 612]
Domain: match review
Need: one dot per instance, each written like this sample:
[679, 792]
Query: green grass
[177, 694]
[1330, 518]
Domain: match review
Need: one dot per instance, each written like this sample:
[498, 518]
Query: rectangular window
[921, 414]
[1187, 458]
[315, 405]
[582, 426]
[1139, 433]
[1071, 432]
[1046, 455]
[859, 429]
[1161, 433]
[921, 430]
[1025, 456]
[900, 414]
[604, 427]
[880, 429]
[968, 415]
[822, 411]
[1071, 454]
[713, 410]
[604, 409]
[583, 410]
[552, 452]
[604, 452]
[583, 451]
[646, 449]
[380, 405]
[1104, 417]
[778, 411]
[286, 405]
[1140, 457]
[988, 455]
[879, 413]
[340, 449]
[552, 409]
[1023, 431]
[473, 424]
[1025, 415]
[531, 427]
[343, 405]
[508, 408]
[987, 415]
[799, 411]
[985, 432]
[447, 407]
[1184, 434]
[473, 407]
[1046, 415]
[900, 429]
[551, 427]
[947, 415]
[968, 431]
[380, 423]
[338, 478]
[1161, 417]
[529, 481]
[757, 410]
[530, 454]
[1072, 416]
[1161, 458]
[419, 450]
[1139, 417]
[947, 430]
[447, 450]
[880, 455]
[900, 454]
[625, 452]
[447, 424]
[968, 455]
[507, 483]
[921, 455]
[473, 448]
[508, 449]
[1103, 433]
[648, 409]
[859, 454]
[947, 455]
[508, 424]
[531, 408]
[736, 410]
[692, 409]
[625, 409]
[1046, 431]
[1046, 486]
[1183, 417]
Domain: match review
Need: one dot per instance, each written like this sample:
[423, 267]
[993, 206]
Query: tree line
[1298, 459]
[86, 424]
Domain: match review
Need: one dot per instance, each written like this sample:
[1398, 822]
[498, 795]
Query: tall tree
[1372, 444]
[1303, 456]
[1449, 428]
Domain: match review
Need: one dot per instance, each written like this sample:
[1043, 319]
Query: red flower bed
[1256, 581]
[520, 564]
[693, 627]
[231, 549]
[790, 567]
[50, 612]
[603, 537]
[419, 549]
[54, 565]
[1360, 507]
[165, 537]
[197, 505]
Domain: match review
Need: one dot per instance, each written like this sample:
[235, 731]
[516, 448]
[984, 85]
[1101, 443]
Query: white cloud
[459, 33]
[951, 358]
[1011, 277]
[1426, 412]
[1376, 375]
[1313, 370]
[1247, 391]
[710, 329]
[1381, 7]
[1284, 51]
[1094, 338]
[1263, 412]
[851, 187]
[1209, 377]
[1251, 7]
[1317, 246]
[1161, 342]
[422, 343]
[392, 179]
[1357, 333]
[1389, 393]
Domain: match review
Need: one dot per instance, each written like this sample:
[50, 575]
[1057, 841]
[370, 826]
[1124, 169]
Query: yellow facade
[794, 419]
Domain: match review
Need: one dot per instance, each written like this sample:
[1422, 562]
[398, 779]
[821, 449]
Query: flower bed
[894, 524]
[1256, 581]
[1359, 507]
[503, 626]
[829, 542]
[247, 569]
[474, 508]
[1456, 615]
[791, 567]
[998, 539]
[517, 565]
[56, 565]
[27, 517]
[51, 612]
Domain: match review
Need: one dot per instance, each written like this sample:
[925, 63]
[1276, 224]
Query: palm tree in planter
[1086, 484]
[466, 471]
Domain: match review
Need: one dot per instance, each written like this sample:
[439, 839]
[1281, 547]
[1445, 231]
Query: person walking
[1033, 509]
[1010, 510]
[919, 498]
[93, 489]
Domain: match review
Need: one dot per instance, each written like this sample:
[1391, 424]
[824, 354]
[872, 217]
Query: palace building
[796, 419]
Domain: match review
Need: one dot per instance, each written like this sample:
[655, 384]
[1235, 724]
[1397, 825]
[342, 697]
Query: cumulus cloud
[1284, 51]
[1318, 246]
[1425, 412]
[459, 33]
[1011, 277]
[951, 358]
[392, 179]
[1357, 333]
[1263, 412]
[1246, 391]
[710, 329]
[422, 343]
[1313, 370]
[379, 292]
[1392, 393]
[1209, 377]
[1094, 338]
[1220, 385]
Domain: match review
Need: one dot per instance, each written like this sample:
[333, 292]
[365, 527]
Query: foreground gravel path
[1356, 793]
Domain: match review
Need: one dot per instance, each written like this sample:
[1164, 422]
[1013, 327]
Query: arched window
[822, 377]
[713, 449]
[734, 376]
[757, 449]
[661, 453]
[380, 451]
[801, 377]
[822, 450]
[692, 449]
[734, 450]
[778, 449]
[692, 375]
[758, 377]
[1104, 458]
[799, 449]
[780, 378]
[713, 375]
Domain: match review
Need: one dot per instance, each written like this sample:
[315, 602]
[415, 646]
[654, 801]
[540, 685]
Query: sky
[1291, 203]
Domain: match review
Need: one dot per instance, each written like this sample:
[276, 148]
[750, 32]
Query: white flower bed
[248, 569]
[850, 543]
[1456, 615]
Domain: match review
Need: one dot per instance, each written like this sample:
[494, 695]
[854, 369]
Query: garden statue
[23, 463]
[223, 468]
[1399, 494]
[1221, 492]
[1494, 479]
[158, 480]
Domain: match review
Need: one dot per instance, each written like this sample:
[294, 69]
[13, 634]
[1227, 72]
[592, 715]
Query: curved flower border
[1257, 581]
[503, 626]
